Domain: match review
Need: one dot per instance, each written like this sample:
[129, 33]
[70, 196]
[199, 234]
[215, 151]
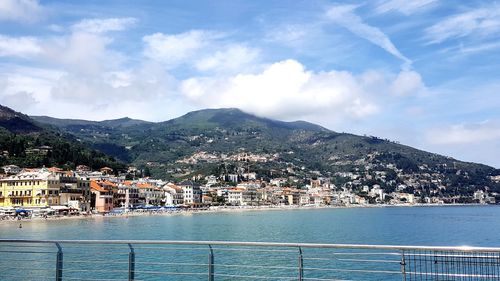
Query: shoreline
[223, 209]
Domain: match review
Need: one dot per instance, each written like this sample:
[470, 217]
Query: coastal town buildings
[174, 195]
[102, 196]
[86, 190]
[30, 189]
[191, 193]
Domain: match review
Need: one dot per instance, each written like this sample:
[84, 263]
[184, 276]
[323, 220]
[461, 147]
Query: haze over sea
[450, 225]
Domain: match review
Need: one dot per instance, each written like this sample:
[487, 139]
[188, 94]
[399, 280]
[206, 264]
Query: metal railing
[224, 260]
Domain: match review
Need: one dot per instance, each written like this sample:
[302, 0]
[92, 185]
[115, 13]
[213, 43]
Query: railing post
[210, 264]
[131, 263]
[403, 265]
[59, 263]
[301, 265]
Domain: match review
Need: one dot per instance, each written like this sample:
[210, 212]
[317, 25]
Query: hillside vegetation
[27, 143]
[223, 141]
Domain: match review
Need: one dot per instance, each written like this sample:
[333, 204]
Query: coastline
[221, 209]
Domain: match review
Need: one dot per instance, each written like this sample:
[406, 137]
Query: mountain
[28, 143]
[171, 140]
[225, 141]
[16, 122]
[70, 124]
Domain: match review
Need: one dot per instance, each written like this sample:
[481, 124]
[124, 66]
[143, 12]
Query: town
[53, 191]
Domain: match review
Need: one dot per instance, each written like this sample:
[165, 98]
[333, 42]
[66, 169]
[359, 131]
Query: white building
[174, 195]
[191, 192]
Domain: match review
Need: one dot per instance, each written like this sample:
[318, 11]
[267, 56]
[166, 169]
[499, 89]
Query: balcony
[221, 260]
[21, 196]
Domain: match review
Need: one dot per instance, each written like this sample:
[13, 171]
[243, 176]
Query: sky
[425, 73]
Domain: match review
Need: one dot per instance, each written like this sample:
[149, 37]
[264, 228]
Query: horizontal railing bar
[349, 260]
[254, 250]
[26, 252]
[94, 279]
[171, 263]
[172, 248]
[95, 270]
[352, 270]
[34, 269]
[26, 246]
[441, 255]
[88, 254]
[255, 266]
[453, 274]
[363, 254]
[323, 279]
[374, 261]
[38, 278]
[262, 244]
[96, 261]
[255, 276]
[170, 273]
[23, 260]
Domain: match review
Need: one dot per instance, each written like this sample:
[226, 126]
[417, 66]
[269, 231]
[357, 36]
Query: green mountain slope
[222, 141]
[27, 143]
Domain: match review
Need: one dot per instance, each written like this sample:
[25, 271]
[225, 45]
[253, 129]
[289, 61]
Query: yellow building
[30, 189]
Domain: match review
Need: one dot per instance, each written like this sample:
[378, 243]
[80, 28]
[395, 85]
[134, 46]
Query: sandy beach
[214, 209]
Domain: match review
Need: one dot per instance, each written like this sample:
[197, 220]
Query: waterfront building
[127, 195]
[75, 191]
[235, 196]
[291, 196]
[30, 189]
[305, 199]
[101, 197]
[192, 193]
[149, 194]
[173, 195]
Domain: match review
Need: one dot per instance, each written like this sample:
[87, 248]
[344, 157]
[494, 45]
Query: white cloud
[143, 92]
[290, 34]
[231, 58]
[407, 83]
[344, 15]
[481, 22]
[20, 10]
[466, 133]
[22, 100]
[104, 25]
[404, 6]
[201, 50]
[175, 49]
[287, 90]
[80, 52]
[19, 46]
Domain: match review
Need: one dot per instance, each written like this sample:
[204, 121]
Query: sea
[417, 226]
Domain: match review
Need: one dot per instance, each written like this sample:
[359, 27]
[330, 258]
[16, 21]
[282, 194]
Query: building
[235, 196]
[149, 194]
[11, 169]
[75, 191]
[127, 195]
[83, 168]
[192, 193]
[173, 195]
[30, 189]
[106, 171]
[101, 197]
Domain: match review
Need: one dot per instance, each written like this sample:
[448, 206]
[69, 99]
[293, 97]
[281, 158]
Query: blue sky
[422, 72]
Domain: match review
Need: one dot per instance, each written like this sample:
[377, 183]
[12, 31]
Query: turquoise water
[463, 225]
[453, 225]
